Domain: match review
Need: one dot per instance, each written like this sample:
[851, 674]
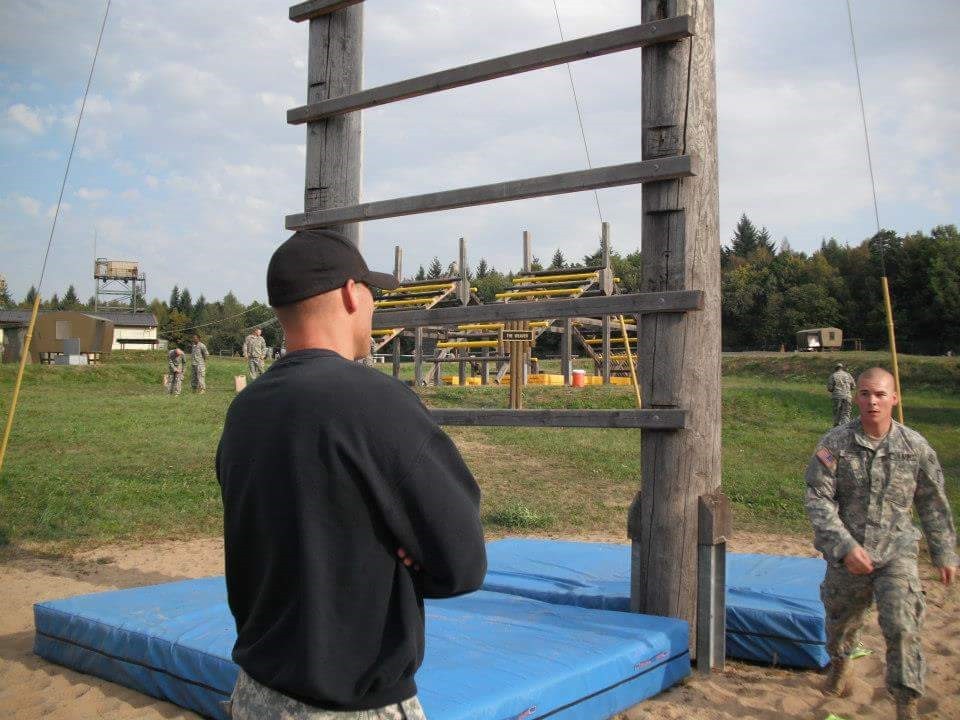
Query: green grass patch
[101, 454]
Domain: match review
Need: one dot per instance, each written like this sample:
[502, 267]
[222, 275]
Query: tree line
[769, 292]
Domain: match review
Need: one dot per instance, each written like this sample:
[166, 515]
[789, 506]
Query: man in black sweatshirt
[345, 505]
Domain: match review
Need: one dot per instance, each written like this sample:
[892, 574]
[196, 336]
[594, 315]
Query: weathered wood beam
[671, 168]
[315, 8]
[632, 304]
[673, 419]
[557, 54]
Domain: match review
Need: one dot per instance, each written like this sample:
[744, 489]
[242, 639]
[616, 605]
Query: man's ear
[348, 294]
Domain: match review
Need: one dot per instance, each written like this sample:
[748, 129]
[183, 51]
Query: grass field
[102, 454]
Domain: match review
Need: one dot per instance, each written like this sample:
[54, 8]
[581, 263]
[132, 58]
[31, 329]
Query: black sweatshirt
[327, 467]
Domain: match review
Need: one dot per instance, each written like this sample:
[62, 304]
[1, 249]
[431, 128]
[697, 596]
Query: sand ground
[32, 688]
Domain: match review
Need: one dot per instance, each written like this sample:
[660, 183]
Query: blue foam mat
[490, 656]
[774, 612]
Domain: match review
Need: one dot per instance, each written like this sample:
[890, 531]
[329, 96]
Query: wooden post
[463, 287]
[418, 357]
[566, 351]
[397, 341]
[680, 363]
[607, 277]
[334, 68]
[485, 367]
[526, 251]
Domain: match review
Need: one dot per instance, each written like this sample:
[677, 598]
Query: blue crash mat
[489, 656]
[774, 612]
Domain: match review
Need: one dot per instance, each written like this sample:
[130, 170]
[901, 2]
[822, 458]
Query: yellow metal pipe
[599, 341]
[24, 354]
[531, 293]
[418, 288]
[480, 326]
[554, 278]
[387, 331]
[893, 344]
[633, 370]
[399, 303]
[467, 343]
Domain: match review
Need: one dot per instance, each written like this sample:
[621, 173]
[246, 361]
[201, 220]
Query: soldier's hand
[858, 562]
[406, 559]
[947, 574]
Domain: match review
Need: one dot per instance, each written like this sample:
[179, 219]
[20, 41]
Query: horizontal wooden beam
[628, 38]
[632, 304]
[668, 168]
[315, 8]
[669, 419]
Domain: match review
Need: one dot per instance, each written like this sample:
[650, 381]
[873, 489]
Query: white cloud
[28, 204]
[151, 182]
[92, 194]
[131, 194]
[30, 119]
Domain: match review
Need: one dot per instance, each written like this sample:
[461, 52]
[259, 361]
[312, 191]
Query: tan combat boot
[838, 678]
[906, 708]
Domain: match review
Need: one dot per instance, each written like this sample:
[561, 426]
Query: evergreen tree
[29, 298]
[745, 238]
[53, 303]
[91, 302]
[558, 262]
[421, 274]
[174, 303]
[185, 304]
[436, 269]
[198, 307]
[535, 264]
[482, 269]
[5, 300]
[70, 300]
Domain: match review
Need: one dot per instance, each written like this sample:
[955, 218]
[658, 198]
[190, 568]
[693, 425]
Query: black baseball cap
[311, 262]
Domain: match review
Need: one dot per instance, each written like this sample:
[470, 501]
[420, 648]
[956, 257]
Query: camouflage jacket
[254, 346]
[859, 496]
[199, 354]
[176, 361]
[841, 385]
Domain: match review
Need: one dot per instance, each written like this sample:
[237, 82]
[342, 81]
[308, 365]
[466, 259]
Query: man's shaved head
[876, 374]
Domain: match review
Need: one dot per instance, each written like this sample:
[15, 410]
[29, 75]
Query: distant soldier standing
[254, 350]
[840, 386]
[198, 365]
[862, 484]
[177, 362]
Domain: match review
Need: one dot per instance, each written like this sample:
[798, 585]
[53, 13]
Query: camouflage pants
[176, 383]
[255, 367]
[900, 607]
[198, 378]
[841, 411]
[253, 701]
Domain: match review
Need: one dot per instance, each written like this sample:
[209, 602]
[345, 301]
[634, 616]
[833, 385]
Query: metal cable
[866, 136]
[576, 102]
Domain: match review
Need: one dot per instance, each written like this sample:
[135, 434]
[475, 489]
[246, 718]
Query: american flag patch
[826, 459]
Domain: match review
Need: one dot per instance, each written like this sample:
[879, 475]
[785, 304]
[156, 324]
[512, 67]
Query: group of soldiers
[254, 349]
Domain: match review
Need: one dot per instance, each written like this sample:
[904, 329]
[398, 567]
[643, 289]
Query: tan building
[827, 338]
[97, 332]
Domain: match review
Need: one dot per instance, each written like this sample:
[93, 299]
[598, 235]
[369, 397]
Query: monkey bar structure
[678, 524]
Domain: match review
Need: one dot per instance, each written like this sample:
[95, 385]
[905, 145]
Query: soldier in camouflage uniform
[253, 701]
[254, 350]
[176, 362]
[841, 386]
[862, 483]
[198, 365]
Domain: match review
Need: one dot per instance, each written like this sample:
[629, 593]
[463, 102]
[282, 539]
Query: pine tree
[54, 303]
[436, 269]
[764, 241]
[535, 264]
[482, 269]
[185, 305]
[421, 274]
[745, 237]
[70, 300]
[5, 300]
[558, 262]
[29, 298]
[174, 298]
[198, 307]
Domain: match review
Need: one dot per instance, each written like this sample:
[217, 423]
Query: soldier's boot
[837, 681]
[906, 708]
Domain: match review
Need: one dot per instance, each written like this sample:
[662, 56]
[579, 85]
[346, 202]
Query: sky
[185, 162]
